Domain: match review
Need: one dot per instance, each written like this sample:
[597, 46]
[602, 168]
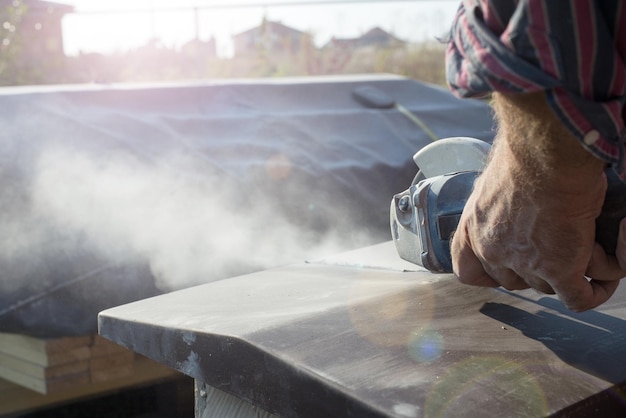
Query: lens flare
[392, 320]
[425, 345]
[508, 385]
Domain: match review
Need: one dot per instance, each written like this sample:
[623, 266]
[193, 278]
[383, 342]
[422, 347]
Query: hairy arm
[530, 221]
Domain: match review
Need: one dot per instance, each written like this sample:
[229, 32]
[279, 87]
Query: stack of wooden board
[35, 373]
[51, 365]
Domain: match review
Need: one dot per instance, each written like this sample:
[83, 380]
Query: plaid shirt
[575, 50]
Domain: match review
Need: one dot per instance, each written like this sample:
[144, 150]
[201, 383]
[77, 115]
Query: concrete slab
[359, 335]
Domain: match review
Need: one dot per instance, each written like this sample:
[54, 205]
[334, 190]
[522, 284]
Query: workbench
[365, 334]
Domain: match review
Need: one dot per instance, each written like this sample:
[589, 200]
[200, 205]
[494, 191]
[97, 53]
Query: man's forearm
[540, 148]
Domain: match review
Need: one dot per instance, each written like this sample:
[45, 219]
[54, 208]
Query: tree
[12, 42]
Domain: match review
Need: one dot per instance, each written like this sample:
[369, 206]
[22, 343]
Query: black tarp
[111, 194]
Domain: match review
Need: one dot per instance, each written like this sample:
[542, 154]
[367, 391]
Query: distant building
[379, 38]
[375, 37]
[199, 48]
[273, 37]
[39, 22]
[338, 53]
[195, 56]
[341, 43]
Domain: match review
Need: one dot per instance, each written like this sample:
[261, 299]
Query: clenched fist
[530, 221]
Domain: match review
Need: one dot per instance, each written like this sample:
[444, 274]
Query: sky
[108, 26]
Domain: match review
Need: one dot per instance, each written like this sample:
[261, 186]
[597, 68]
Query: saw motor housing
[424, 217]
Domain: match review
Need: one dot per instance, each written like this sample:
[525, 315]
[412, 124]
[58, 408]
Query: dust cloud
[189, 223]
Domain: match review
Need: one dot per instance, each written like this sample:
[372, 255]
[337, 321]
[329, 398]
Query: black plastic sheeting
[111, 194]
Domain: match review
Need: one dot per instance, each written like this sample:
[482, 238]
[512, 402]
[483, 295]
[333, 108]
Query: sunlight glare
[144, 20]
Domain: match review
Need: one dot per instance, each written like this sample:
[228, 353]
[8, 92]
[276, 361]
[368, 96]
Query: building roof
[374, 36]
[377, 36]
[272, 27]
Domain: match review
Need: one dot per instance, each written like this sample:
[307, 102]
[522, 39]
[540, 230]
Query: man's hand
[530, 221]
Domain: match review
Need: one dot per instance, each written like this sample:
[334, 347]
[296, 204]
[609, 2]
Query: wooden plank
[109, 360]
[62, 344]
[103, 347]
[44, 386]
[113, 373]
[67, 382]
[18, 399]
[112, 361]
[41, 372]
[45, 352]
[68, 356]
[32, 383]
[112, 366]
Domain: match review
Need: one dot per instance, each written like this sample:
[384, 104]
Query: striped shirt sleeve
[574, 50]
